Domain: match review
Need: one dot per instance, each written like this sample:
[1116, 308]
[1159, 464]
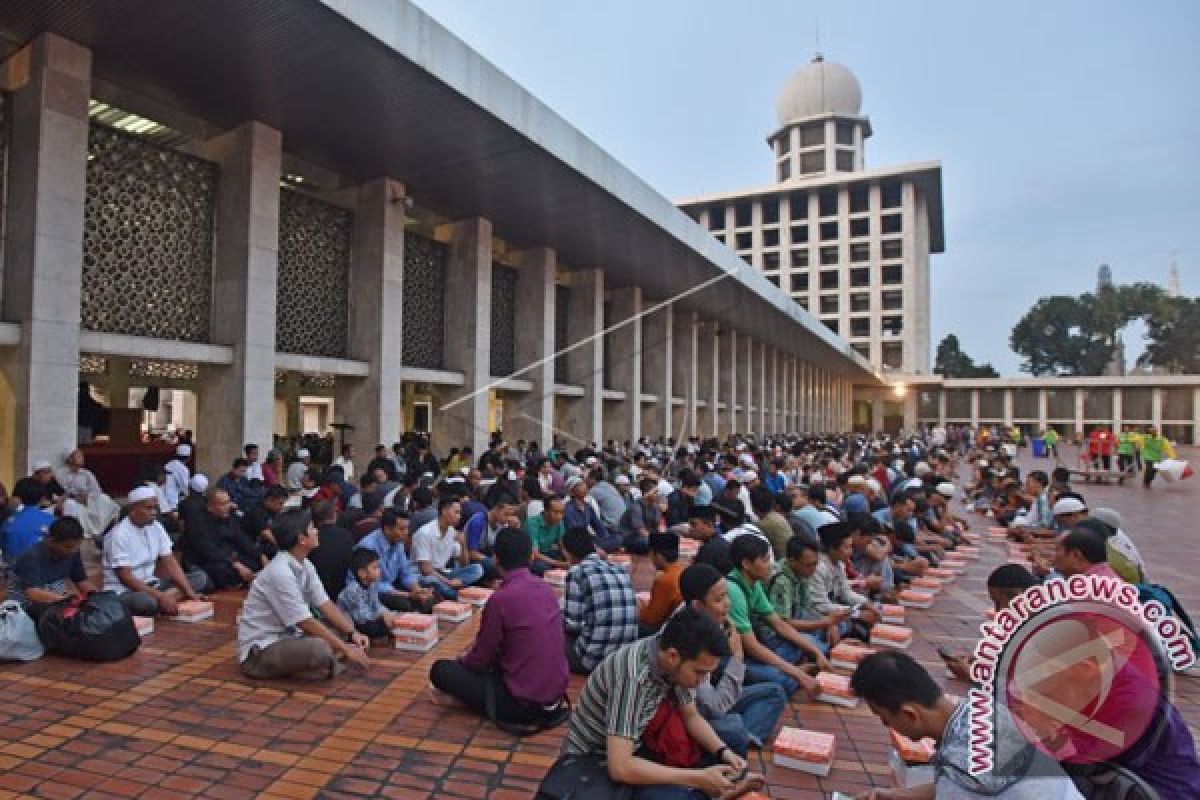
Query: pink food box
[893, 615]
[416, 632]
[194, 611]
[894, 636]
[450, 611]
[916, 598]
[847, 655]
[807, 751]
[928, 584]
[941, 573]
[475, 595]
[954, 566]
[835, 690]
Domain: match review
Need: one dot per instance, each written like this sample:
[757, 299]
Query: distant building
[848, 243]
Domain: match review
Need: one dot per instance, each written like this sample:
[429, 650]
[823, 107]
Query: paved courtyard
[177, 719]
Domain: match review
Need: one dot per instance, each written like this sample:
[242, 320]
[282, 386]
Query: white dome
[819, 87]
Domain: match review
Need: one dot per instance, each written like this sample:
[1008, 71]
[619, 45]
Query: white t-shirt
[430, 544]
[127, 545]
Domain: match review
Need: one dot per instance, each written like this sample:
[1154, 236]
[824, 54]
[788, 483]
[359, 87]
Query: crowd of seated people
[797, 542]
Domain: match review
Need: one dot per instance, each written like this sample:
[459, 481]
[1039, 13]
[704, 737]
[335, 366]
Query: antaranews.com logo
[1080, 664]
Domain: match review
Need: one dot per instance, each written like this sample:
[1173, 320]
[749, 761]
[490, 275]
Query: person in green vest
[1154, 448]
[1051, 438]
[1126, 446]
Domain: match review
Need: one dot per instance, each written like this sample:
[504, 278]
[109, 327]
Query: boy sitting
[664, 592]
[360, 599]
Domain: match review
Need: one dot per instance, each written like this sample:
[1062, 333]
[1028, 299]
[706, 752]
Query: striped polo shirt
[620, 698]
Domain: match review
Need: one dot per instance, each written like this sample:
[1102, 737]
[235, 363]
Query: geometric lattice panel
[311, 313]
[163, 370]
[92, 365]
[424, 315]
[504, 320]
[147, 239]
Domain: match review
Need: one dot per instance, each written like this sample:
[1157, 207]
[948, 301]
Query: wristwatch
[721, 751]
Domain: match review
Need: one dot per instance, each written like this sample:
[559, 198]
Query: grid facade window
[743, 214]
[863, 349]
[773, 279]
[744, 240]
[860, 326]
[892, 249]
[812, 163]
[812, 135]
[893, 274]
[771, 261]
[844, 160]
[827, 203]
[860, 252]
[832, 324]
[860, 277]
[771, 237]
[829, 304]
[860, 198]
[770, 210]
[800, 258]
[716, 217]
[893, 300]
[829, 279]
[785, 169]
[892, 325]
[829, 231]
[892, 223]
[798, 206]
[799, 234]
[829, 256]
[891, 195]
[892, 355]
[860, 301]
[844, 133]
[799, 281]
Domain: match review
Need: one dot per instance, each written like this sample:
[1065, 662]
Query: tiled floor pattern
[177, 720]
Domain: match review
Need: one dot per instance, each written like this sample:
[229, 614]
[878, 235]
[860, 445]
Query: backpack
[1108, 781]
[1154, 591]
[97, 627]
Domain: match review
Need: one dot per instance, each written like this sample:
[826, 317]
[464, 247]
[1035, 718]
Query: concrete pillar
[468, 335]
[708, 378]
[623, 418]
[372, 404]
[1196, 416]
[44, 261]
[1008, 407]
[246, 270]
[974, 408]
[805, 397]
[941, 407]
[585, 364]
[684, 369]
[727, 381]
[1079, 408]
[1156, 405]
[775, 394]
[532, 417]
[1118, 412]
[1043, 401]
[657, 358]
[761, 388]
[746, 382]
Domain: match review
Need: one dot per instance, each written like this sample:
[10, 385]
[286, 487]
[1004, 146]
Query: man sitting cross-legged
[600, 613]
[278, 636]
[215, 542]
[41, 574]
[773, 647]
[135, 550]
[436, 545]
[643, 679]
[518, 656]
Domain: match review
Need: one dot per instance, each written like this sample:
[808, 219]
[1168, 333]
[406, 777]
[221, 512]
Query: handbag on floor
[576, 777]
[18, 634]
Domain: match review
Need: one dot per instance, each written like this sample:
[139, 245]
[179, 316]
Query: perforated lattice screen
[311, 313]
[147, 239]
[504, 320]
[424, 301]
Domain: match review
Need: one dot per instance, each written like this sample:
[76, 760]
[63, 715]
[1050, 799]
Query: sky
[1068, 131]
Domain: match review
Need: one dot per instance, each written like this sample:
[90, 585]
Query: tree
[1173, 336]
[952, 362]
[1063, 335]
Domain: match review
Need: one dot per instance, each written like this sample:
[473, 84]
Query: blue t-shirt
[37, 568]
[476, 531]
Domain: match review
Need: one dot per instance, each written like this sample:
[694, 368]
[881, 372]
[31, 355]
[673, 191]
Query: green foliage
[1174, 336]
[952, 362]
[1064, 335]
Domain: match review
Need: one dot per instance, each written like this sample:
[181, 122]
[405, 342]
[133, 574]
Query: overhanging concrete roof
[376, 87]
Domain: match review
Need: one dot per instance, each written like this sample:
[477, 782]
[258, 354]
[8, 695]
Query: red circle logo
[1082, 684]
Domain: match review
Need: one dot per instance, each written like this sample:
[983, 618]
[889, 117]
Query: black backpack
[1108, 781]
[97, 627]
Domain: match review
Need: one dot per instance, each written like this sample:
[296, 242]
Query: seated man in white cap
[50, 492]
[84, 499]
[192, 506]
[136, 551]
[178, 477]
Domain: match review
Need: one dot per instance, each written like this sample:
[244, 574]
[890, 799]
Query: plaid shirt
[359, 603]
[601, 608]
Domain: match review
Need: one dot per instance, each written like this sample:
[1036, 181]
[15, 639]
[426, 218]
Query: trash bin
[1039, 447]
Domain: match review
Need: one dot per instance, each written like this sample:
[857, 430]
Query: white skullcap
[874, 485]
[142, 493]
[199, 483]
[511, 475]
[41, 465]
[302, 453]
[856, 480]
[591, 461]
[749, 475]
[922, 469]
[1069, 505]
[184, 450]
[622, 480]
[945, 489]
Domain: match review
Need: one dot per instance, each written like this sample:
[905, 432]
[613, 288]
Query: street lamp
[899, 389]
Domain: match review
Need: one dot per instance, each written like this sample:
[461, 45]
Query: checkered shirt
[601, 608]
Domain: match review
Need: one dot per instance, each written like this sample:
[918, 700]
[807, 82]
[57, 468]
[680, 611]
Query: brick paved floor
[177, 720]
